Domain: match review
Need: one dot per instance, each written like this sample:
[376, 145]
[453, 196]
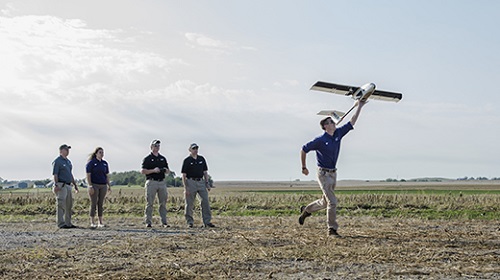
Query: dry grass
[253, 245]
[276, 201]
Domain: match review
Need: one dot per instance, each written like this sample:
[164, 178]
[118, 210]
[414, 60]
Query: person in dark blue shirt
[63, 178]
[97, 178]
[327, 147]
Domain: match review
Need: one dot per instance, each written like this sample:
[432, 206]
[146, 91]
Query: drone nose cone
[373, 85]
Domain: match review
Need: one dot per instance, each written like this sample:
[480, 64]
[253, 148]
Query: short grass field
[389, 231]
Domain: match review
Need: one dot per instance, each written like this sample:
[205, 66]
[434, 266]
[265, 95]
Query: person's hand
[361, 103]
[109, 189]
[91, 190]
[305, 171]
[76, 189]
[156, 170]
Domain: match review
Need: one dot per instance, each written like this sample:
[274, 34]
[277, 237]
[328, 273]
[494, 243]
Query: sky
[234, 77]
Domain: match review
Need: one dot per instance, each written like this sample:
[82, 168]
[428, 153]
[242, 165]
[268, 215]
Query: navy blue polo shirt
[62, 168]
[98, 170]
[194, 168]
[327, 146]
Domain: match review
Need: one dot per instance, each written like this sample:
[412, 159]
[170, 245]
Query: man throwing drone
[327, 147]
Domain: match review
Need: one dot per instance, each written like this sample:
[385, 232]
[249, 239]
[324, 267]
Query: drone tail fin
[337, 116]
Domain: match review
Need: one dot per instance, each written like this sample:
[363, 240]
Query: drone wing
[334, 88]
[386, 95]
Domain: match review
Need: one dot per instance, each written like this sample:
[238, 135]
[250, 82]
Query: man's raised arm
[354, 117]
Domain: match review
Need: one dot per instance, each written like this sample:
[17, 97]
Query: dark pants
[97, 199]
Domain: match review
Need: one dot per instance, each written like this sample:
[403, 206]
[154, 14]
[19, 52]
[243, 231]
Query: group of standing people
[195, 180]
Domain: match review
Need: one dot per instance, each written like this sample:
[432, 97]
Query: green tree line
[136, 178]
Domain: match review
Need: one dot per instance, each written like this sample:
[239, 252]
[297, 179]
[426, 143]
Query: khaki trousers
[197, 187]
[64, 204]
[327, 182]
[153, 188]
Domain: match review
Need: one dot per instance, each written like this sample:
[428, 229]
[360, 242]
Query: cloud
[52, 61]
[46, 54]
[214, 45]
[206, 41]
[9, 8]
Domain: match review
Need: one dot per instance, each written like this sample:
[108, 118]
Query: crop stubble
[255, 247]
[252, 247]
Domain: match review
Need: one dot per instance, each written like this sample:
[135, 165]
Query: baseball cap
[155, 142]
[64, 146]
[193, 145]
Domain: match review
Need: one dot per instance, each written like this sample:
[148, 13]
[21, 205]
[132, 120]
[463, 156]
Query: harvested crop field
[255, 247]
[251, 247]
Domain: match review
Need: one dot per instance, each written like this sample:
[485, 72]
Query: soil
[252, 248]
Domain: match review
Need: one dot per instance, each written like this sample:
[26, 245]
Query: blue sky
[234, 76]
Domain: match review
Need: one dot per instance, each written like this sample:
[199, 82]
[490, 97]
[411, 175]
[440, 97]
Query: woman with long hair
[98, 181]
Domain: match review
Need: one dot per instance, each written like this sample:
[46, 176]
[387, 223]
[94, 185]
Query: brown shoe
[303, 215]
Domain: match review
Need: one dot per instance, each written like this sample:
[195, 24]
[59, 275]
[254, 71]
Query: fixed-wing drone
[357, 93]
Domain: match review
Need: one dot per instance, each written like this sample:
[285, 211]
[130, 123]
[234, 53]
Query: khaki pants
[327, 182]
[64, 204]
[153, 188]
[97, 199]
[197, 187]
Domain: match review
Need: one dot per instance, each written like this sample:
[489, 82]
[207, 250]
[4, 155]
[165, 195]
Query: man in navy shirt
[155, 166]
[63, 178]
[327, 147]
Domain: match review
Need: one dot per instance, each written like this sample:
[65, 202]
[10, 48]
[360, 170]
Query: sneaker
[72, 226]
[166, 225]
[101, 225]
[332, 232]
[148, 225]
[209, 225]
[93, 225]
[190, 225]
[64, 227]
[303, 215]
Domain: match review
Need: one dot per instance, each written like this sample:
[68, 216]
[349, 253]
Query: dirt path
[252, 248]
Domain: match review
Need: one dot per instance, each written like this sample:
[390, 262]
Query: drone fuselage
[364, 92]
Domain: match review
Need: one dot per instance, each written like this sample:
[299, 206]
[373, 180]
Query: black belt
[64, 183]
[328, 170]
[195, 179]
[158, 180]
